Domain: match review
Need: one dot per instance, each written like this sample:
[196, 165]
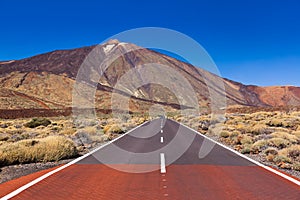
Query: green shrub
[35, 122]
[246, 149]
[279, 159]
[224, 134]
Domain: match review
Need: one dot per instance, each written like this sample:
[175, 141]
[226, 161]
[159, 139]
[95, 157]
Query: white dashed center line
[162, 163]
[161, 131]
[161, 139]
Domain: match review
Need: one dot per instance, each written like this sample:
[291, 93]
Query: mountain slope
[46, 81]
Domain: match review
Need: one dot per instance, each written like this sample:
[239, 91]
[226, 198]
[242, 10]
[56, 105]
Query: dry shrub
[292, 152]
[283, 121]
[224, 134]
[285, 135]
[113, 129]
[246, 139]
[106, 128]
[99, 138]
[278, 142]
[128, 126]
[281, 158]
[296, 166]
[295, 114]
[271, 150]
[141, 120]
[91, 130]
[274, 122]
[259, 129]
[69, 131]
[4, 136]
[254, 129]
[270, 157]
[234, 134]
[215, 130]
[261, 115]
[259, 145]
[52, 148]
[296, 133]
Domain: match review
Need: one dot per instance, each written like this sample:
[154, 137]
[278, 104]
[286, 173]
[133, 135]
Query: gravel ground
[11, 172]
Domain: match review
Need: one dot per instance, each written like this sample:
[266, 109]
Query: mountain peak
[113, 41]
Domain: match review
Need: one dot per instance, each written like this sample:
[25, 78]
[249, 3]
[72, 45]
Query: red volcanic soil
[277, 95]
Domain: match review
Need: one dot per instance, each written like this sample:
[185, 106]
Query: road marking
[245, 157]
[162, 163]
[161, 131]
[28, 185]
[161, 139]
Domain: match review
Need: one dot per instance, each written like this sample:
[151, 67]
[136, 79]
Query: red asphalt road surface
[130, 168]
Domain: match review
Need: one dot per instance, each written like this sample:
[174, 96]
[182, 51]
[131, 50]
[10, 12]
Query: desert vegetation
[31, 140]
[273, 136]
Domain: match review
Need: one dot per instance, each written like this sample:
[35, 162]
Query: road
[161, 159]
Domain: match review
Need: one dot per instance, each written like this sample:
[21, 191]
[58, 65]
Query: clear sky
[253, 42]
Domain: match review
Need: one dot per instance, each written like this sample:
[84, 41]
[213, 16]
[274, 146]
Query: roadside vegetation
[273, 136]
[54, 139]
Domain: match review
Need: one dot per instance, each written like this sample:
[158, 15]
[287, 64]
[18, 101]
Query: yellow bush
[115, 129]
[258, 129]
[291, 152]
[69, 131]
[106, 128]
[52, 148]
[91, 130]
[296, 133]
[246, 139]
[275, 122]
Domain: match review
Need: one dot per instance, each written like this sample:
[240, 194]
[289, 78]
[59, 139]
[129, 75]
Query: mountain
[46, 81]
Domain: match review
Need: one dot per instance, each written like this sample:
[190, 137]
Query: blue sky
[253, 42]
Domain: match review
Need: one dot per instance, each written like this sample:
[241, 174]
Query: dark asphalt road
[130, 168]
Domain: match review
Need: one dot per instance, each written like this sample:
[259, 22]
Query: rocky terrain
[46, 81]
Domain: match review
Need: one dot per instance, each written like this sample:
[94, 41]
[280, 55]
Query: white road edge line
[247, 158]
[162, 163]
[161, 139]
[28, 185]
